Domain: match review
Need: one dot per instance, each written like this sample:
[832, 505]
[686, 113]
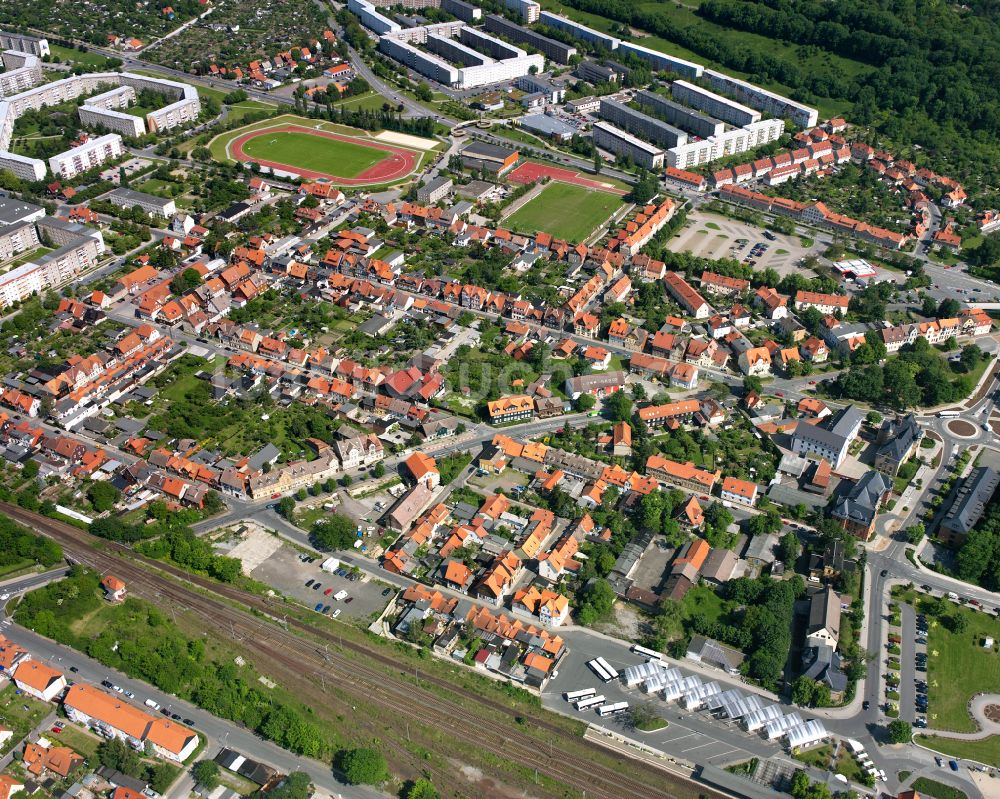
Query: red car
[275, 496]
[779, 393]
[327, 592]
[57, 730]
[812, 382]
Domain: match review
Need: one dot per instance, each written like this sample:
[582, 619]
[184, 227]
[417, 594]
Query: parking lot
[691, 735]
[287, 573]
[711, 236]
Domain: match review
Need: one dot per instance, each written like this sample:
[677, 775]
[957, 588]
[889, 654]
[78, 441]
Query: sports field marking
[346, 159]
[529, 172]
[565, 210]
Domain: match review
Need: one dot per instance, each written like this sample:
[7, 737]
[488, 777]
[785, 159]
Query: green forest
[928, 71]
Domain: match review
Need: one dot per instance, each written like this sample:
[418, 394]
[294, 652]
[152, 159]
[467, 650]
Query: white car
[340, 595]
[336, 613]
[4, 597]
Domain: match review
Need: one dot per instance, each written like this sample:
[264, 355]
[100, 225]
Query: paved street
[220, 733]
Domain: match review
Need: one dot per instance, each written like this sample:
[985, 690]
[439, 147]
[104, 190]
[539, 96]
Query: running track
[397, 164]
[529, 172]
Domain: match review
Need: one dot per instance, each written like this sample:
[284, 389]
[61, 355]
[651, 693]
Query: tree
[334, 532]
[420, 789]
[363, 766]
[103, 495]
[598, 163]
[115, 753]
[595, 602]
[286, 507]
[206, 774]
[30, 469]
[296, 785]
[379, 470]
[948, 308]
[915, 532]
[185, 281]
[585, 402]
[619, 406]
[874, 418]
[899, 731]
[788, 548]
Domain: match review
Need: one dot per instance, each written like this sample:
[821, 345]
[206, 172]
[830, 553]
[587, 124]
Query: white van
[152, 704]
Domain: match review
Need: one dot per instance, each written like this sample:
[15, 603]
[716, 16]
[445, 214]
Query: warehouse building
[552, 49]
[762, 99]
[694, 122]
[620, 142]
[640, 124]
[715, 104]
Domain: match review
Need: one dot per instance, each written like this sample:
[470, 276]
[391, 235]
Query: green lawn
[362, 102]
[306, 151]
[20, 714]
[566, 211]
[959, 668]
[31, 255]
[69, 54]
[938, 790]
[683, 15]
[249, 107]
[986, 751]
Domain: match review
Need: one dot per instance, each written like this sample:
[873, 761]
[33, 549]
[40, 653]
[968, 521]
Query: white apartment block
[152, 205]
[528, 9]
[51, 270]
[17, 238]
[762, 99]
[100, 112]
[94, 153]
[24, 44]
[504, 61]
[714, 104]
[730, 142]
[371, 18]
[185, 108]
[617, 141]
[578, 31]
[21, 72]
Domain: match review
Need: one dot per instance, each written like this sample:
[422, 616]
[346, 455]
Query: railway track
[297, 657]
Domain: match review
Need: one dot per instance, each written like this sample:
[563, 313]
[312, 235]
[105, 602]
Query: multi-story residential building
[764, 100]
[87, 156]
[689, 299]
[436, 189]
[552, 49]
[528, 9]
[685, 475]
[620, 142]
[740, 492]
[969, 504]
[550, 92]
[730, 142]
[714, 104]
[824, 303]
[829, 439]
[511, 409]
[640, 124]
[696, 122]
[661, 61]
[578, 31]
[599, 385]
[21, 72]
[23, 43]
[152, 205]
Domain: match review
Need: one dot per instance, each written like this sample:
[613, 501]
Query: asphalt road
[219, 732]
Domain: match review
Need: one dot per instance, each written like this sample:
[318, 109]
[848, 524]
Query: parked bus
[589, 702]
[572, 696]
[652, 654]
[612, 673]
[610, 710]
[599, 670]
[947, 414]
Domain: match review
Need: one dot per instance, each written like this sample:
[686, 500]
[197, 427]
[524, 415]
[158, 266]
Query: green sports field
[566, 211]
[316, 153]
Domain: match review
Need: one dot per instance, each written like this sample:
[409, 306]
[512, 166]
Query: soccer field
[566, 211]
[312, 152]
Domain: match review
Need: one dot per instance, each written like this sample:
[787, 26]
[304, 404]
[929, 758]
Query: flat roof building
[969, 504]
[24, 44]
[491, 157]
[689, 119]
[622, 143]
[662, 61]
[435, 190]
[578, 31]
[87, 156]
[715, 104]
[640, 124]
[764, 100]
[552, 49]
[152, 205]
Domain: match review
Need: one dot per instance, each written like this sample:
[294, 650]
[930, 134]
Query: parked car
[953, 765]
[189, 722]
[317, 586]
[326, 608]
[865, 705]
[309, 583]
[74, 669]
[327, 592]
[336, 613]
[386, 592]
